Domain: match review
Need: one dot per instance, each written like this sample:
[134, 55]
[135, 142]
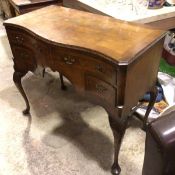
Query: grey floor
[65, 135]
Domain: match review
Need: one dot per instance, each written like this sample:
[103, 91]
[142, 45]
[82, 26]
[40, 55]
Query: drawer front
[78, 60]
[21, 38]
[100, 69]
[42, 53]
[39, 48]
[101, 89]
[24, 59]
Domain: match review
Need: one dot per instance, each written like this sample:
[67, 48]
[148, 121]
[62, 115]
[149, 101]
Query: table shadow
[46, 97]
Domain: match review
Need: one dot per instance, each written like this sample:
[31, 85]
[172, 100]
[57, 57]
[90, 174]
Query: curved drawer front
[39, 48]
[76, 60]
[43, 53]
[101, 89]
[24, 59]
[54, 56]
[22, 38]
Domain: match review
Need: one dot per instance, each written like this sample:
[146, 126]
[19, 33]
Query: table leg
[17, 80]
[63, 86]
[118, 133]
[44, 71]
[153, 95]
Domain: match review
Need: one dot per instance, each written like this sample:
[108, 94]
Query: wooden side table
[111, 66]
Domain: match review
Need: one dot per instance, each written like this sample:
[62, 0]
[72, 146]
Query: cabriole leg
[63, 87]
[118, 137]
[17, 80]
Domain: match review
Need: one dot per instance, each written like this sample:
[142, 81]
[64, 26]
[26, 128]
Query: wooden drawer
[86, 63]
[42, 53]
[101, 89]
[21, 38]
[39, 48]
[24, 59]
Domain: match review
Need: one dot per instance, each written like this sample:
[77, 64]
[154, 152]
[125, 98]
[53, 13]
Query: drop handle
[69, 60]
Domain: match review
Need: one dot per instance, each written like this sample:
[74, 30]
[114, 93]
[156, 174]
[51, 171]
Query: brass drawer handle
[100, 88]
[69, 60]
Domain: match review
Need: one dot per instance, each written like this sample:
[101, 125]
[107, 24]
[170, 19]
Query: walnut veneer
[112, 63]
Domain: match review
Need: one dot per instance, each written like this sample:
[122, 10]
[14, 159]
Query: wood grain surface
[121, 41]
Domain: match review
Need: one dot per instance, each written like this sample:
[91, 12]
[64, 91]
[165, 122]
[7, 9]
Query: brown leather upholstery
[160, 147]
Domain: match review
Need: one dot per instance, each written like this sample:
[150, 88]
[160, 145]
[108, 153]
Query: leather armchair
[160, 146]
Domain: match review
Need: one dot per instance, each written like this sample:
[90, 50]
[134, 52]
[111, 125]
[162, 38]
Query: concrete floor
[65, 135]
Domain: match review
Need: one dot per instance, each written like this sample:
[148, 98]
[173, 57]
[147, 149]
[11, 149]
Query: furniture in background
[6, 9]
[0, 8]
[24, 6]
[17, 7]
[111, 66]
[160, 146]
[163, 18]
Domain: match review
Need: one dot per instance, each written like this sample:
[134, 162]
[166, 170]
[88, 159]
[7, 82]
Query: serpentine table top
[120, 44]
[111, 62]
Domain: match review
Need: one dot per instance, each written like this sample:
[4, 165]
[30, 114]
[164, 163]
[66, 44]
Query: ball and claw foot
[26, 112]
[115, 170]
